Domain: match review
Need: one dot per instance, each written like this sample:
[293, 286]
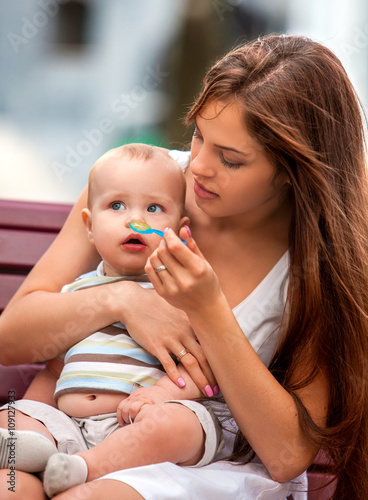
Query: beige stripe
[128, 378]
[110, 358]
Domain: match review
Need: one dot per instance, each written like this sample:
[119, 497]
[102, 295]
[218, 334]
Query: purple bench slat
[20, 250]
[317, 480]
[30, 215]
[9, 284]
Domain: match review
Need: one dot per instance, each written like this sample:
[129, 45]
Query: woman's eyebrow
[219, 145]
[231, 149]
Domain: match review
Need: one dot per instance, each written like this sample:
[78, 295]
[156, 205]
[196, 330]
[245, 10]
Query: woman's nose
[202, 163]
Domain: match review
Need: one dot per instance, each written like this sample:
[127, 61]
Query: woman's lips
[203, 193]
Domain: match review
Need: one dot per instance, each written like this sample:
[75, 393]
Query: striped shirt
[108, 361]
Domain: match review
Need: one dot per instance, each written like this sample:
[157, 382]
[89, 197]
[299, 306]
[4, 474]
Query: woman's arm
[40, 323]
[264, 411]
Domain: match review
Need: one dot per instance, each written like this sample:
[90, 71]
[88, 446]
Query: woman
[277, 189]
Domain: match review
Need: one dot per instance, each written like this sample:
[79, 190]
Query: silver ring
[160, 268]
[182, 354]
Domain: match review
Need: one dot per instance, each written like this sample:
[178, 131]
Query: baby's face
[127, 190]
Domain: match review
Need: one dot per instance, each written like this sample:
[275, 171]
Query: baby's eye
[117, 205]
[154, 209]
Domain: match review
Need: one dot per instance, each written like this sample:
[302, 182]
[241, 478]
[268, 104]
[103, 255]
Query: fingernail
[188, 231]
[181, 382]
[166, 229]
[208, 391]
[216, 390]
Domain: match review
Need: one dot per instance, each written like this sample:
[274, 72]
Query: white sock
[27, 451]
[63, 472]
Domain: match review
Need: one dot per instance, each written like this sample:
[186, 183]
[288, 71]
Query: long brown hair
[301, 107]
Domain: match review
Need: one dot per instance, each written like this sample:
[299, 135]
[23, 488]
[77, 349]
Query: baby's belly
[85, 405]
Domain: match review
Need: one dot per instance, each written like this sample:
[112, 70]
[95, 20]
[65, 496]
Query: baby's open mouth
[134, 241]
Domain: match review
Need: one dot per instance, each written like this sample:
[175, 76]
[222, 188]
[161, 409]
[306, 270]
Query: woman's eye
[229, 164]
[117, 205]
[154, 209]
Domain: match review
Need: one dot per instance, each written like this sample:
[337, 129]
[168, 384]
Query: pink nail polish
[216, 390]
[166, 229]
[181, 382]
[208, 391]
[188, 231]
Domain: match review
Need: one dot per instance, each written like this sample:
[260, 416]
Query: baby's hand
[129, 407]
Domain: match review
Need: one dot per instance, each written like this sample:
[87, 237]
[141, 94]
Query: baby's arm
[163, 390]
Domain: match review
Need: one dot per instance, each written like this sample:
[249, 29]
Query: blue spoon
[143, 228]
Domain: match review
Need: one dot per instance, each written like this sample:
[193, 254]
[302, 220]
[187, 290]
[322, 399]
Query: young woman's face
[232, 174]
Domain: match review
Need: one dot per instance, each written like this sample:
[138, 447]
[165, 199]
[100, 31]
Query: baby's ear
[184, 221]
[87, 219]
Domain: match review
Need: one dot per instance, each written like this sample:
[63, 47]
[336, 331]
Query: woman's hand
[164, 330]
[187, 281]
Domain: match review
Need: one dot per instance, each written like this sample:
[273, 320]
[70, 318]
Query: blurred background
[80, 77]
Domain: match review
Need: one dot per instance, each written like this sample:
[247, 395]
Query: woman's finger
[171, 369]
[187, 255]
[192, 366]
[160, 269]
[197, 351]
[191, 244]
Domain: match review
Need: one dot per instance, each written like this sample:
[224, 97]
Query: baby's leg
[160, 433]
[25, 443]
[23, 422]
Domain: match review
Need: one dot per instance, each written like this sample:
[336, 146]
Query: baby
[141, 183]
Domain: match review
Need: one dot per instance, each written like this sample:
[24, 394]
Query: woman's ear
[87, 219]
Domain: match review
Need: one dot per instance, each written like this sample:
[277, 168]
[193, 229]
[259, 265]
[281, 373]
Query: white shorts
[74, 435]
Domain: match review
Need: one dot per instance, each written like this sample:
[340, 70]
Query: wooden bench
[26, 230]
[320, 481]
